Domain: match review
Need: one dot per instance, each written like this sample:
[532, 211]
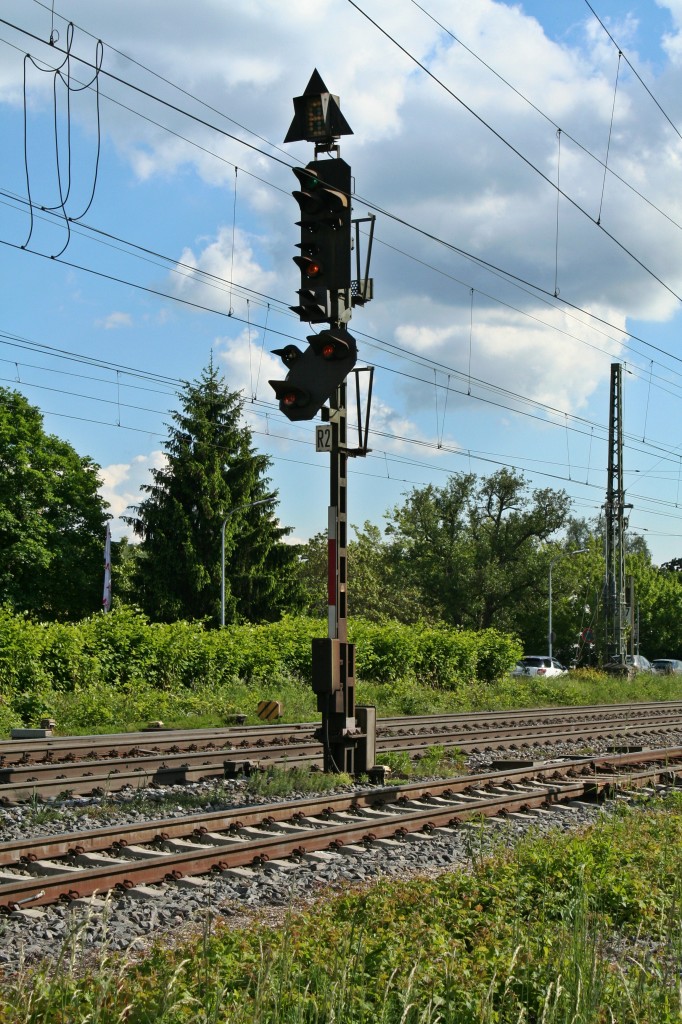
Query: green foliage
[119, 668]
[52, 518]
[383, 652]
[436, 761]
[213, 476]
[282, 781]
[471, 547]
[117, 671]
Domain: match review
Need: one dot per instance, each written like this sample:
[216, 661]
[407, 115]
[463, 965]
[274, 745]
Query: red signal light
[289, 399]
[328, 351]
[310, 267]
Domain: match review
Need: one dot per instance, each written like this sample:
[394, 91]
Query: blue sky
[478, 363]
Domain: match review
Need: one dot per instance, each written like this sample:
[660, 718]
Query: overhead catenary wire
[469, 454]
[518, 398]
[506, 460]
[576, 142]
[222, 284]
[517, 152]
[387, 213]
[634, 71]
[490, 267]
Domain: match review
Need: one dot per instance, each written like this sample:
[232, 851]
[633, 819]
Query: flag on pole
[106, 599]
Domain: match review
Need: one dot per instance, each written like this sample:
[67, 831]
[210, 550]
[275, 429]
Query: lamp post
[239, 508]
[566, 554]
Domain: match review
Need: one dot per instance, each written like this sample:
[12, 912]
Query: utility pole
[616, 615]
[316, 375]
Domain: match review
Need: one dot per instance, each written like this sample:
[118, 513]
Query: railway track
[68, 867]
[113, 745]
[98, 765]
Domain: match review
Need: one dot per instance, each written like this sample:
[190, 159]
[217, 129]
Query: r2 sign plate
[323, 437]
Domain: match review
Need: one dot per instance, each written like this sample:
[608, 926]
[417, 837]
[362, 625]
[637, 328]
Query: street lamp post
[239, 508]
[565, 554]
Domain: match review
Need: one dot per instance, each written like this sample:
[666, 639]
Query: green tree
[212, 472]
[658, 607]
[375, 588]
[471, 548]
[126, 561]
[577, 584]
[52, 519]
[311, 572]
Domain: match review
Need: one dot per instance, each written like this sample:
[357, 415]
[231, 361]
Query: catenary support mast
[616, 612]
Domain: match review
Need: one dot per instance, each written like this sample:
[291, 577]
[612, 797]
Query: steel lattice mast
[616, 617]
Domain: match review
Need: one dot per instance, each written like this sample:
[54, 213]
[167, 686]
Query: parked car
[538, 665]
[666, 667]
[638, 662]
[628, 668]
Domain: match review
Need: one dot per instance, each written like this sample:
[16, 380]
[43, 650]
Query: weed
[436, 761]
[276, 781]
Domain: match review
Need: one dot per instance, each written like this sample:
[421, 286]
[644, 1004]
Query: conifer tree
[212, 472]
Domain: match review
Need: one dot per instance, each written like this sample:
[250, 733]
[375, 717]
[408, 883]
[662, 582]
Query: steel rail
[24, 781]
[154, 741]
[168, 762]
[304, 826]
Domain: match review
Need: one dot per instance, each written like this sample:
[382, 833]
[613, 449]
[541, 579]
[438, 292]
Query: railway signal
[324, 259]
[315, 374]
[317, 116]
[326, 295]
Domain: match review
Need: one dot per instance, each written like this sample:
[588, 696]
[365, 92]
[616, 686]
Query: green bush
[495, 654]
[21, 648]
[384, 652]
[444, 657]
[111, 670]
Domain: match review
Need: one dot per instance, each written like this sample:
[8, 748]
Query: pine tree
[212, 472]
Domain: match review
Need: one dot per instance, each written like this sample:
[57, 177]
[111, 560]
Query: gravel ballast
[122, 921]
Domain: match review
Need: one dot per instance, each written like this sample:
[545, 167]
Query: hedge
[122, 646]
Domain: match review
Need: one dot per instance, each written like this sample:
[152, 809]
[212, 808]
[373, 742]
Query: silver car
[666, 667]
[638, 662]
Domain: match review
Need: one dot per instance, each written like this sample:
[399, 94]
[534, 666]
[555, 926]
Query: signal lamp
[313, 306]
[310, 268]
[314, 375]
[289, 354]
[325, 240]
[336, 345]
[317, 116]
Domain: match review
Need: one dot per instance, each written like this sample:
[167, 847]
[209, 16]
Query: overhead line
[637, 75]
[546, 116]
[477, 259]
[273, 330]
[526, 160]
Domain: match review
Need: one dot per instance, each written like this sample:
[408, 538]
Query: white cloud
[115, 320]
[437, 160]
[121, 484]
[228, 257]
